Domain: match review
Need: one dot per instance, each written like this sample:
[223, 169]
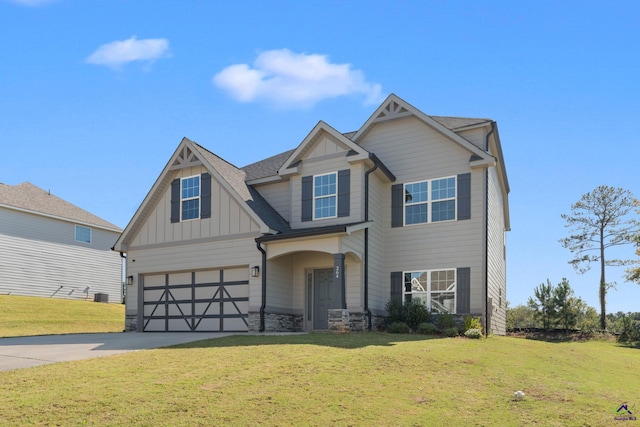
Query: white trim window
[82, 234]
[436, 289]
[430, 201]
[325, 195]
[190, 198]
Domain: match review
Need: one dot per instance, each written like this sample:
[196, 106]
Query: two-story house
[52, 248]
[410, 206]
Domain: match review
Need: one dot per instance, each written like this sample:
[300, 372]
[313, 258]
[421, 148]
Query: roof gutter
[264, 285]
[366, 243]
[486, 235]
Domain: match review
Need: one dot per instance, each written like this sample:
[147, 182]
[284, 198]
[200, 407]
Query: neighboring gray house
[321, 237]
[51, 248]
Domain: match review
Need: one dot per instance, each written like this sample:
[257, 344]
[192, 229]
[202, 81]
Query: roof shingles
[34, 199]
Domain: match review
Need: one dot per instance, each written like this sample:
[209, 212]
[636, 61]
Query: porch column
[338, 280]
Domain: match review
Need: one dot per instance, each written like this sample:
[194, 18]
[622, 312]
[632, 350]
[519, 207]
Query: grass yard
[22, 316]
[358, 379]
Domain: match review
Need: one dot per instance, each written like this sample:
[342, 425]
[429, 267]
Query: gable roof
[394, 107]
[289, 166]
[30, 198]
[229, 176]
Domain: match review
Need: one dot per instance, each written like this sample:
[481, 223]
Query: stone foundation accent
[275, 322]
[130, 323]
[339, 320]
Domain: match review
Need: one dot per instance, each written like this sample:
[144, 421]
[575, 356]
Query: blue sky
[96, 95]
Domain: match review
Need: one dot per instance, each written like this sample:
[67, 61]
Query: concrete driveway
[26, 352]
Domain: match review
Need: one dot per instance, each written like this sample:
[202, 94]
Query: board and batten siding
[40, 257]
[227, 218]
[496, 270]
[220, 254]
[415, 152]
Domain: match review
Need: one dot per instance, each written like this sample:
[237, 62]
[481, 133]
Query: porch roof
[315, 231]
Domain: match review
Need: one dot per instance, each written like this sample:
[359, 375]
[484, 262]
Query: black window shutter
[175, 200]
[307, 198]
[205, 195]
[464, 196]
[463, 290]
[396, 286]
[397, 205]
[344, 192]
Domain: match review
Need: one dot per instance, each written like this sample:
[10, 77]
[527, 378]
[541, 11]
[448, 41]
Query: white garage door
[198, 301]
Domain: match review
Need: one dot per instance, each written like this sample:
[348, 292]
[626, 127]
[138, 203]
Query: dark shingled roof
[267, 167]
[236, 179]
[454, 123]
[34, 199]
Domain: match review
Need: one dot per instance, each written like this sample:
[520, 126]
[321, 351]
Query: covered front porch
[312, 282]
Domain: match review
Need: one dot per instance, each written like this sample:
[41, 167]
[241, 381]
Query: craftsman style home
[321, 237]
[52, 248]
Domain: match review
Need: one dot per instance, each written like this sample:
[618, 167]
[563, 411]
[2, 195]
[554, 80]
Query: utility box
[100, 297]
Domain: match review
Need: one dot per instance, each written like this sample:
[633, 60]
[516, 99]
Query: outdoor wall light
[129, 280]
[255, 271]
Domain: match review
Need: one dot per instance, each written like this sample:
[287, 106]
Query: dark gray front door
[322, 297]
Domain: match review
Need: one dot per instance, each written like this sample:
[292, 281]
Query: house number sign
[337, 271]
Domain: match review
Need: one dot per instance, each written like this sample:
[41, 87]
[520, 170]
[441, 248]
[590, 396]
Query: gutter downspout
[264, 286]
[486, 231]
[366, 245]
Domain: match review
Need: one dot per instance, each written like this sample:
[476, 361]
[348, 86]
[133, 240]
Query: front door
[322, 297]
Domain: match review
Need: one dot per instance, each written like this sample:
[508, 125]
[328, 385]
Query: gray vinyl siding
[475, 136]
[193, 257]
[227, 218]
[280, 285]
[278, 195]
[496, 270]
[40, 257]
[414, 152]
[378, 276]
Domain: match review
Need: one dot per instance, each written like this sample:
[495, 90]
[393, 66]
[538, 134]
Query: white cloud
[291, 79]
[116, 53]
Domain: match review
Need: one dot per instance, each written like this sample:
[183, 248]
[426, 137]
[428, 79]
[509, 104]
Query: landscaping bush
[396, 312]
[446, 321]
[427, 328]
[471, 323]
[473, 333]
[450, 332]
[398, 328]
[417, 314]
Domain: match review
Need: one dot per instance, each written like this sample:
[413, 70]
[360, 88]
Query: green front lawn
[22, 316]
[360, 379]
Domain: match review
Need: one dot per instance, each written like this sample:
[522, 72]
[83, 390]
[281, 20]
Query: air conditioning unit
[100, 297]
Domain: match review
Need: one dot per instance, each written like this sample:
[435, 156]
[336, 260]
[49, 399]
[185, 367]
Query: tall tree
[633, 273]
[544, 305]
[598, 221]
[567, 306]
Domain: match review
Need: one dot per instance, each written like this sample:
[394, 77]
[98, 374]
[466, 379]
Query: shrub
[417, 314]
[396, 312]
[471, 323]
[398, 328]
[450, 332]
[473, 333]
[427, 328]
[446, 321]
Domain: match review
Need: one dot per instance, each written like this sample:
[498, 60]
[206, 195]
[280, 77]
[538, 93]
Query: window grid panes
[442, 194]
[190, 192]
[436, 289]
[83, 234]
[324, 195]
[415, 199]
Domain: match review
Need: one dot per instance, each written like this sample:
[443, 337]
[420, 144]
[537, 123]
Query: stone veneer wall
[276, 322]
[130, 323]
